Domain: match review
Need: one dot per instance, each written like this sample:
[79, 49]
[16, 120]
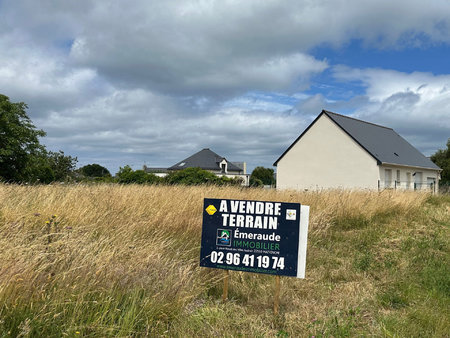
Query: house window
[408, 180]
[431, 182]
[223, 166]
[397, 184]
[418, 180]
[387, 178]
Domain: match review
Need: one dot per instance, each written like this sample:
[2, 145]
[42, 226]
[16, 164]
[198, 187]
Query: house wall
[408, 178]
[325, 158]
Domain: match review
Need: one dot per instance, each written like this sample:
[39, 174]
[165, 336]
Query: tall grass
[113, 260]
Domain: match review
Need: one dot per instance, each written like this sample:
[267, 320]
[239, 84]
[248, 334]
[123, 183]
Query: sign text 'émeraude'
[253, 236]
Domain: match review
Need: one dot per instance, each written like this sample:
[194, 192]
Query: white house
[208, 160]
[337, 151]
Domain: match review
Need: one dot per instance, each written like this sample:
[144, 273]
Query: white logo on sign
[291, 214]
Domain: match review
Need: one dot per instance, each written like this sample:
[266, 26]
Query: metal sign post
[276, 301]
[225, 285]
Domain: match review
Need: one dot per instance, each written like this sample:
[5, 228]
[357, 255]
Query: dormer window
[223, 167]
[182, 164]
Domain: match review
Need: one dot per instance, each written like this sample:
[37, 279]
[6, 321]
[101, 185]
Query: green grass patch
[350, 222]
[438, 200]
[393, 298]
[363, 261]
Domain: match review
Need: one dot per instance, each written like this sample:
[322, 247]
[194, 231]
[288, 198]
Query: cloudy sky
[152, 82]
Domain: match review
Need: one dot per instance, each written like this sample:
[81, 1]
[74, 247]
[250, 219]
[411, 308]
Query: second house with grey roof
[340, 152]
[207, 159]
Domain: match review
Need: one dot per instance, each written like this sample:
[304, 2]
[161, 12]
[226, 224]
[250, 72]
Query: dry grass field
[111, 260]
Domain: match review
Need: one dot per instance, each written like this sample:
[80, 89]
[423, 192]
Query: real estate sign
[255, 236]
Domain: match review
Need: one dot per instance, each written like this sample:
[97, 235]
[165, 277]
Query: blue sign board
[254, 236]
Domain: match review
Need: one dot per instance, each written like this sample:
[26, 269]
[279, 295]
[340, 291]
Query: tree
[39, 170]
[22, 157]
[63, 166]
[19, 141]
[47, 167]
[263, 174]
[442, 159]
[94, 170]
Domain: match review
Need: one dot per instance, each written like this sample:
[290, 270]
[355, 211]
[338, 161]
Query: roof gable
[382, 143]
[205, 159]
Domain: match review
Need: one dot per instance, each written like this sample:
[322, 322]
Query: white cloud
[266, 104]
[220, 47]
[382, 83]
[415, 104]
[43, 78]
[291, 72]
[145, 127]
[216, 47]
[155, 81]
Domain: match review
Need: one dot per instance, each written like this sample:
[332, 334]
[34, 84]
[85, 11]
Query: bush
[196, 176]
[223, 180]
[190, 176]
[127, 175]
[255, 182]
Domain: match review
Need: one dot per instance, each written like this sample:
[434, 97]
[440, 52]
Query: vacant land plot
[112, 260]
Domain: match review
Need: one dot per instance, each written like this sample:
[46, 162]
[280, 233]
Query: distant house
[208, 160]
[160, 172]
[337, 151]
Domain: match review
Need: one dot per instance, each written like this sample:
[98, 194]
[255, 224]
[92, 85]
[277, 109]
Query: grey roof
[383, 143]
[240, 165]
[204, 159]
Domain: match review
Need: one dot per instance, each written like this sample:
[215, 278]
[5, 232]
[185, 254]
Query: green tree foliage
[255, 182]
[47, 167]
[442, 159]
[39, 170]
[197, 176]
[264, 175]
[63, 166]
[22, 157]
[126, 175]
[94, 170]
[19, 142]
